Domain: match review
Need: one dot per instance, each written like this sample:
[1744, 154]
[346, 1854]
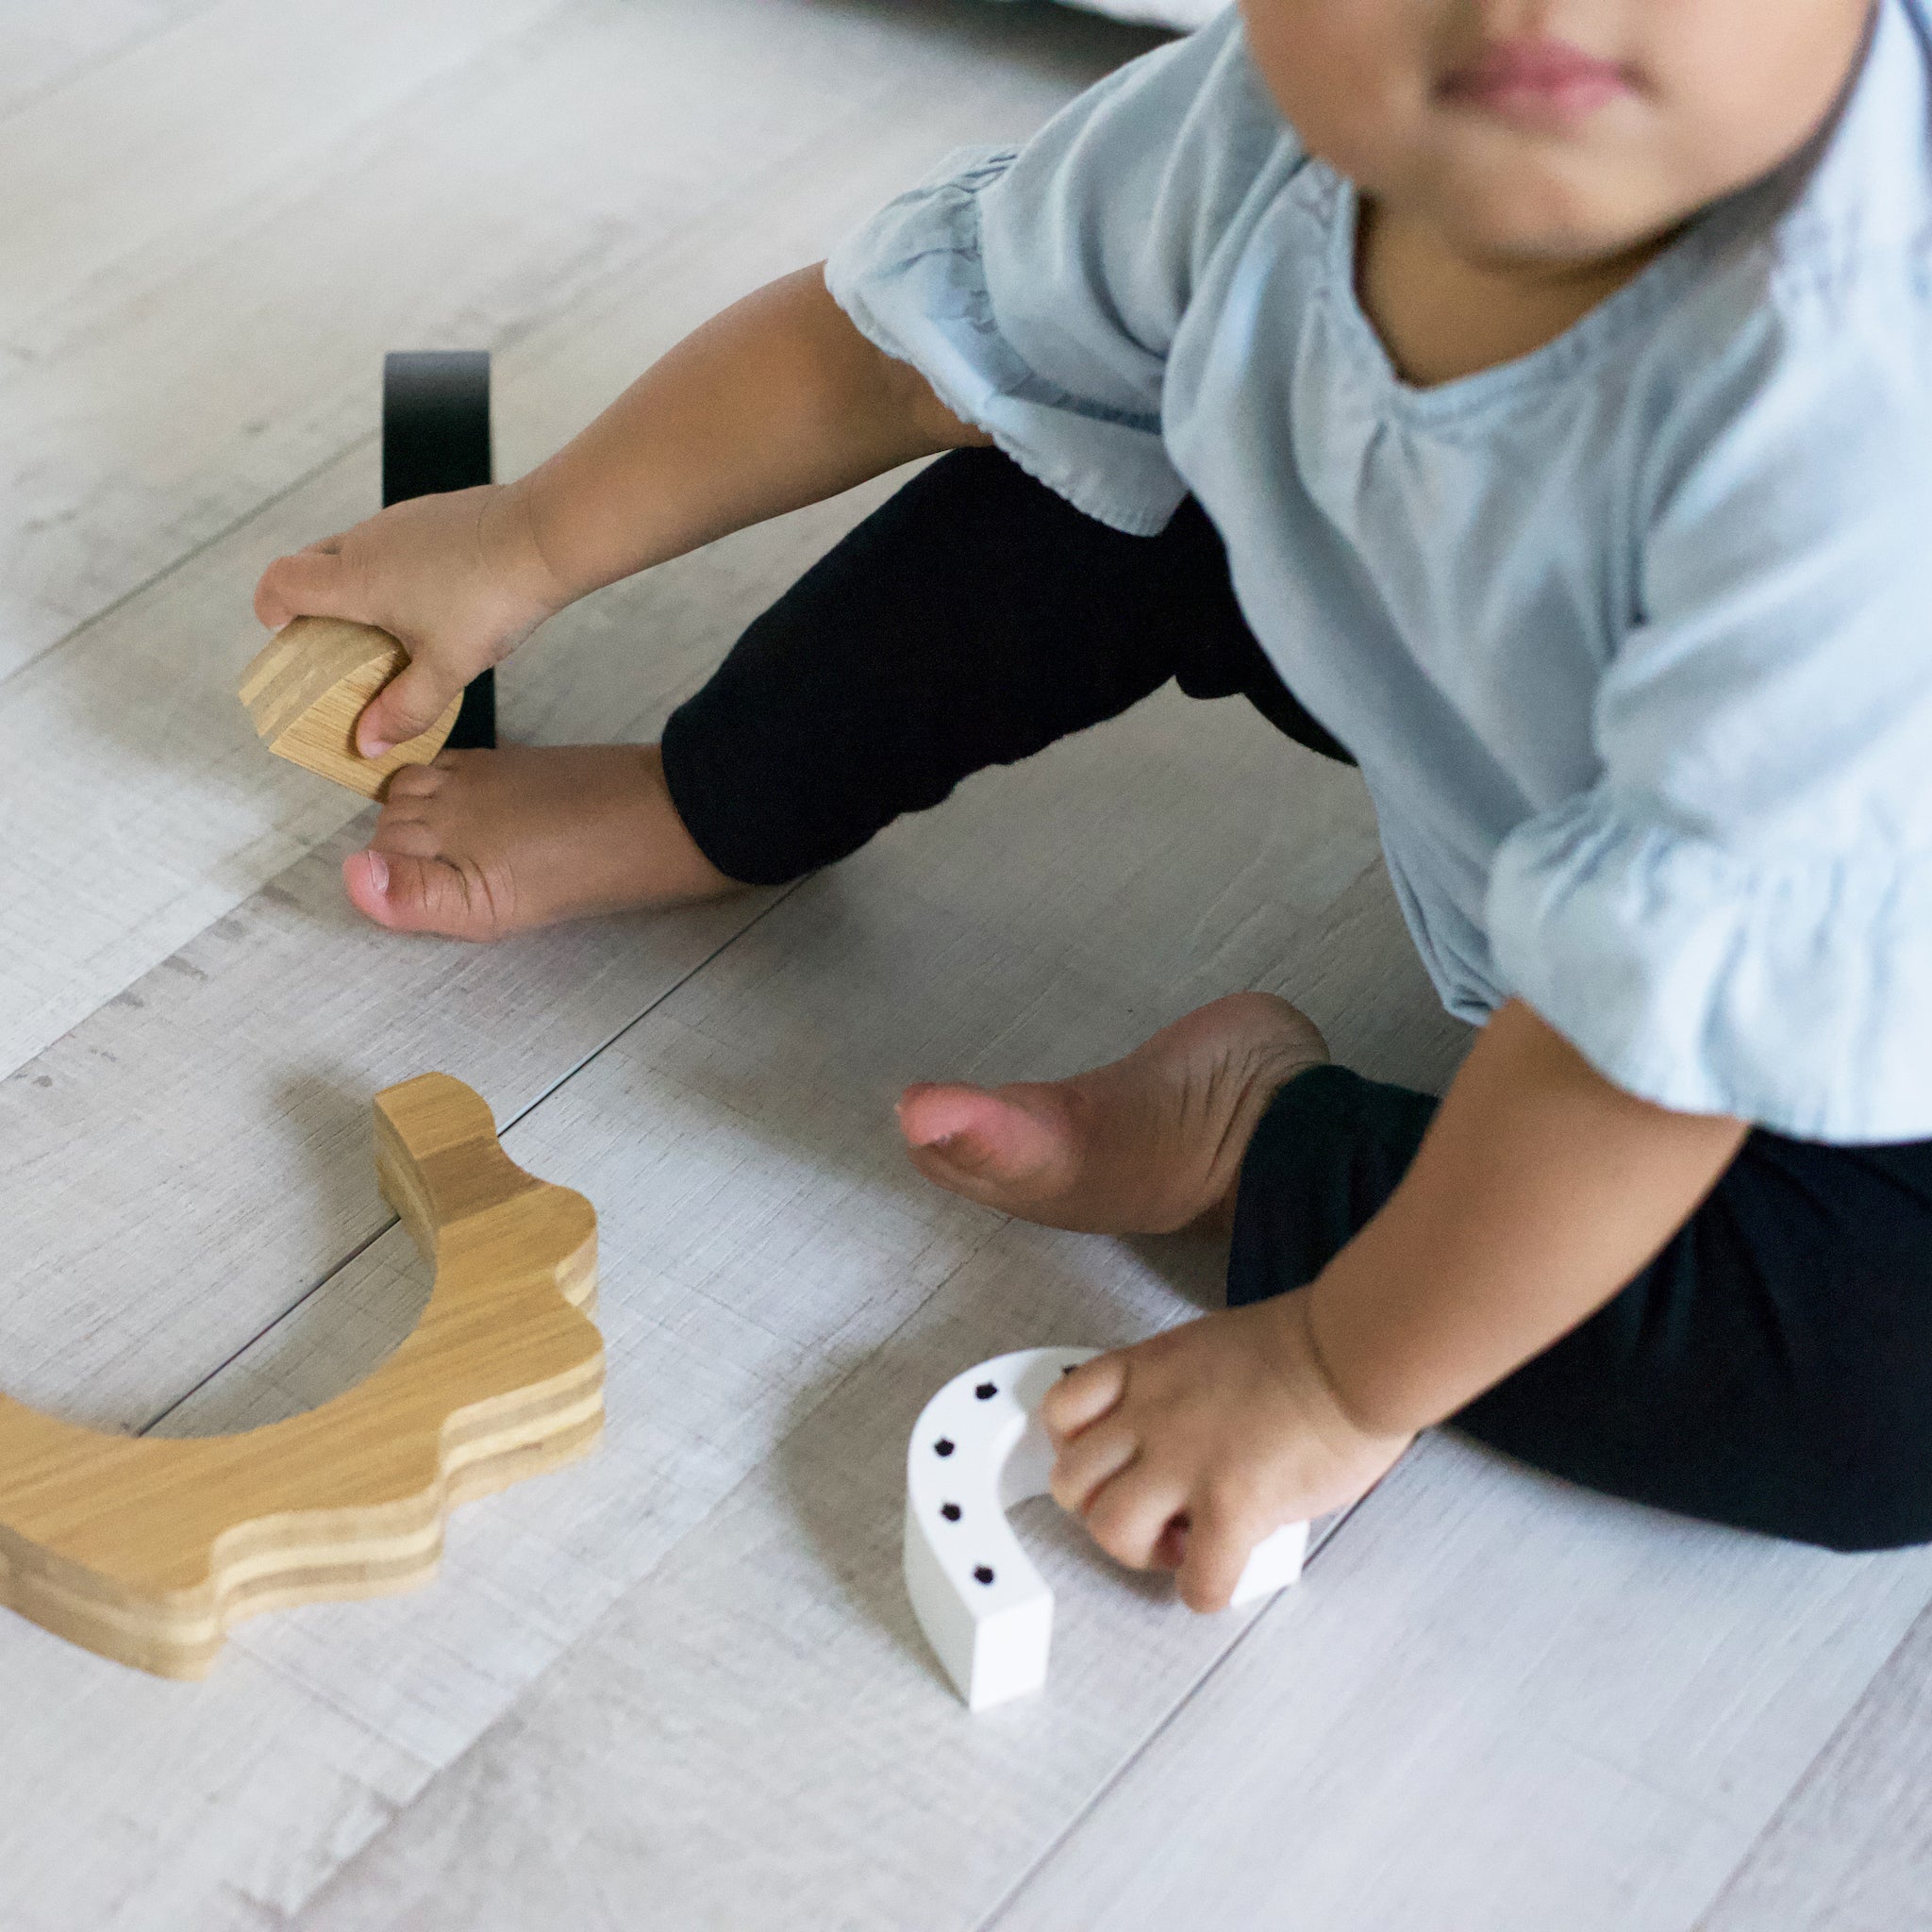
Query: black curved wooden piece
[436, 437]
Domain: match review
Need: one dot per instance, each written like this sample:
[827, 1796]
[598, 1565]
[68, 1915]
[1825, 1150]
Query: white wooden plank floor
[679, 1685]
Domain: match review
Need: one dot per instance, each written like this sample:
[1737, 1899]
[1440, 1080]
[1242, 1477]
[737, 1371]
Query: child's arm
[778, 402]
[1538, 1190]
[775, 402]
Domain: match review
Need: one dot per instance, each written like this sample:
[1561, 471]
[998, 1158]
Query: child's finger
[1217, 1551]
[308, 584]
[1170, 1552]
[1093, 1457]
[404, 708]
[1083, 1396]
[1130, 1516]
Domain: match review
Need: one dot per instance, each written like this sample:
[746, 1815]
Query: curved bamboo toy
[150, 1550]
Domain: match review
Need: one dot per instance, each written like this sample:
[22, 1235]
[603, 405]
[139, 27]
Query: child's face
[1555, 130]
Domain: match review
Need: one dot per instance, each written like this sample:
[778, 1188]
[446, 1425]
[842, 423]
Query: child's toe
[366, 878]
[403, 834]
[931, 1114]
[414, 781]
[420, 894]
[982, 1145]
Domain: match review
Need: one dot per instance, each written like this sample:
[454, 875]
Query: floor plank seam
[508, 339]
[362, 1247]
[153, 581]
[630, 1025]
[1010, 1897]
[301, 1301]
[799, 1422]
[105, 59]
[1816, 1768]
[588, 300]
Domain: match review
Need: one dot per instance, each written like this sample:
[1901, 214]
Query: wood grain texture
[1486, 1705]
[259, 202]
[134, 324]
[765, 1250]
[1851, 1849]
[45, 45]
[761, 1236]
[1496, 1704]
[138, 808]
[142, 811]
[790, 1752]
[1503, 1634]
[150, 1551]
[142, 815]
[310, 683]
[217, 1108]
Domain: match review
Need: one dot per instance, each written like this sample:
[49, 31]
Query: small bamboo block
[309, 686]
[148, 1549]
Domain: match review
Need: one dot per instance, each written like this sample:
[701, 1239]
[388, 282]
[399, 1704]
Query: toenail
[379, 872]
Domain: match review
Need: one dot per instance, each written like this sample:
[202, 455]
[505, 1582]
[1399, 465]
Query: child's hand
[1185, 1450]
[458, 578]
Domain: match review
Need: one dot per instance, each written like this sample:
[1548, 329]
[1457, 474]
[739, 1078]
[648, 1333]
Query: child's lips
[1537, 83]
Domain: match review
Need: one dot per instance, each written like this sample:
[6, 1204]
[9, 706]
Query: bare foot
[1152, 1144]
[484, 844]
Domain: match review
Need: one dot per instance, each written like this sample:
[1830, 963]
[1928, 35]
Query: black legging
[1772, 1369]
[970, 621]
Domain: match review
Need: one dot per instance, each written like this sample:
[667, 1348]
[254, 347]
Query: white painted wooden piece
[700, 1663]
[978, 1449]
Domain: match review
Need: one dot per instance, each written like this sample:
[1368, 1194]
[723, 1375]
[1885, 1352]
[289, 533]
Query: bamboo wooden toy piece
[149, 1550]
[307, 688]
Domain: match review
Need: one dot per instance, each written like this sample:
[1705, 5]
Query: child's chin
[1502, 200]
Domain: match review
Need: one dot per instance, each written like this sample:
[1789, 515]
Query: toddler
[1530, 400]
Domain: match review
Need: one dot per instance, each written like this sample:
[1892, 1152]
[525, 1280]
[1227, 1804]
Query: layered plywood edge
[308, 685]
[149, 1551]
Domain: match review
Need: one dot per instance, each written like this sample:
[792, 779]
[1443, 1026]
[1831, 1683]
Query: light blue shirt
[1632, 636]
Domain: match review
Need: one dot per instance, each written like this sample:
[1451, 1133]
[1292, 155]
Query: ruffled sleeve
[1039, 289]
[1738, 917]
